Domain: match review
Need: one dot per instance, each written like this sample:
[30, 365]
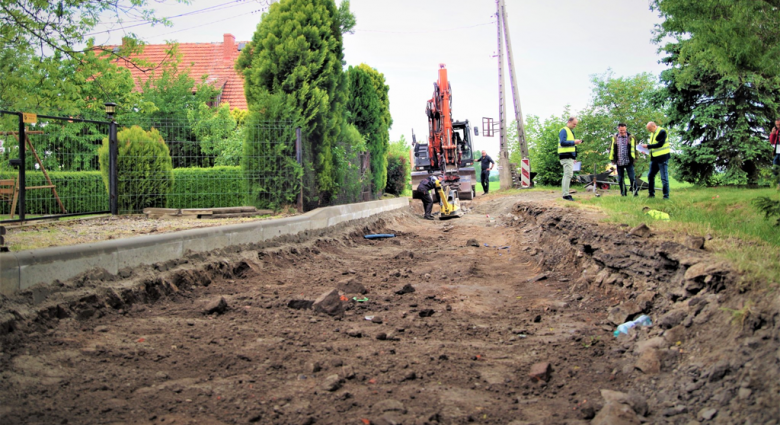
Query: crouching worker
[422, 194]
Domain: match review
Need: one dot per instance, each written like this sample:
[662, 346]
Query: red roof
[214, 60]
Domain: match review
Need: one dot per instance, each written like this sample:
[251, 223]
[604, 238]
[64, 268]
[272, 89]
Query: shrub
[399, 169]
[79, 191]
[144, 167]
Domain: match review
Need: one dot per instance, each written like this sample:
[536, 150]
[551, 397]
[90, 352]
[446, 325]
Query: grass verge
[739, 231]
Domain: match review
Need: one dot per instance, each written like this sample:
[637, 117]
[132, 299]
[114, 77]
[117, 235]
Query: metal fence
[69, 167]
[49, 166]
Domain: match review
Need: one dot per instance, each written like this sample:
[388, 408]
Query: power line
[426, 31]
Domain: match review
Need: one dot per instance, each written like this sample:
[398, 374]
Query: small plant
[739, 315]
[768, 206]
[591, 342]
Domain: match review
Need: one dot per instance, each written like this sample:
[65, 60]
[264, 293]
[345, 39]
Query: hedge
[79, 191]
[222, 186]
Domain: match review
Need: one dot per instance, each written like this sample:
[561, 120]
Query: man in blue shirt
[567, 153]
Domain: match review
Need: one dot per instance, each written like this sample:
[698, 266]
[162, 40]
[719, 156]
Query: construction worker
[774, 140]
[487, 164]
[622, 153]
[422, 193]
[659, 158]
[567, 153]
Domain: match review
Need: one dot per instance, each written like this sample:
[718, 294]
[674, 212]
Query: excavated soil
[518, 282]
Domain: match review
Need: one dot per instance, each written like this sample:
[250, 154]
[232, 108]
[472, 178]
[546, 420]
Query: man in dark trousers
[487, 164]
[660, 153]
[774, 139]
[623, 153]
[422, 193]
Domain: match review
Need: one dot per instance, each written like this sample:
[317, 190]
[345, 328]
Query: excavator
[448, 153]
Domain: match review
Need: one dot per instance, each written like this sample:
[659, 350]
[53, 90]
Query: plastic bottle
[642, 320]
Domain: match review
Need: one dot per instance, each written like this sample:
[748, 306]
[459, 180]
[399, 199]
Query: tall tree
[368, 109]
[723, 85]
[297, 50]
[615, 100]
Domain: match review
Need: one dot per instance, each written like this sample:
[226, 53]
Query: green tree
[399, 169]
[615, 100]
[542, 137]
[722, 87]
[297, 50]
[218, 133]
[144, 164]
[368, 110]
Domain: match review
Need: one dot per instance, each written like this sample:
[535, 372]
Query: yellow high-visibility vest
[569, 138]
[664, 149]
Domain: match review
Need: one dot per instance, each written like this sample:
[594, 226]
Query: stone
[406, 289]
[389, 405]
[707, 413]
[672, 318]
[332, 383]
[675, 335]
[616, 414]
[426, 312]
[381, 336]
[621, 313]
[351, 286]
[377, 320]
[472, 242]
[300, 304]
[694, 242]
[645, 301]
[537, 318]
[633, 400]
[649, 362]
[650, 344]
[541, 372]
[355, 333]
[744, 393]
[410, 376]
[313, 367]
[329, 303]
[674, 411]
[217, 306]
[718, 371]
[538, 277]
[641, 231]
[101, 328]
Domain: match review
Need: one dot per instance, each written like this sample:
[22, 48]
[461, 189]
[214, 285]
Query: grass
[740, 232]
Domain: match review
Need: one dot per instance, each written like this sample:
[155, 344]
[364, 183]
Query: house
[215, 60]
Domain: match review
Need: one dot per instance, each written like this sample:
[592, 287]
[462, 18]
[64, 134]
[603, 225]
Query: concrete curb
[23, 269]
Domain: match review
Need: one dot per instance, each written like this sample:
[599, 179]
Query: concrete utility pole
[504, 176]
[503, 162]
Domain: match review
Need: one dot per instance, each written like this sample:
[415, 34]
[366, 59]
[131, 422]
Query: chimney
[229, 49]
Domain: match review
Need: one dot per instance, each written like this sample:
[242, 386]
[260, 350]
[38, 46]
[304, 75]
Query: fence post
[113, 150]
[299, 158]
[22, 172]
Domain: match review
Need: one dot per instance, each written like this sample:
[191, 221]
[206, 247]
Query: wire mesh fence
[61, 166]
[251, 165]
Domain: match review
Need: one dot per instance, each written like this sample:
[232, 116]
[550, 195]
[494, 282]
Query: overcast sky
[558, 46]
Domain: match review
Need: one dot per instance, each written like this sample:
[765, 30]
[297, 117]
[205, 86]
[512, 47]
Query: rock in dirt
[633, 400]
[538, 277]
[381, 336]
[101, 328]
[389, 405]
[332, 383]
[329, 303]
[406, 289]
[672, 318]
[650, 344]
[707, 413]
[355, 333]
[217, 306]
[645, 301]
[649, 362]
[616, 414]
[351, 286]
[427, 312]
[537, 318]
[472, 242]
[641, 231]
[705, 273]
[300, 304]
[541, 372]
[620, 314]
[694, 242]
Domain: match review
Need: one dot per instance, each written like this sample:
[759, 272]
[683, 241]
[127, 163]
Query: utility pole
[503, 161]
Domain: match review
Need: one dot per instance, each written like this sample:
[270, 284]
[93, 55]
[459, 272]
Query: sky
[558, 46]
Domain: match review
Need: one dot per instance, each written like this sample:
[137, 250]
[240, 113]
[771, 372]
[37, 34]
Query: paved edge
[23, 269]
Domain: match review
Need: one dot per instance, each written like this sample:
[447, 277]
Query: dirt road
[234, 340]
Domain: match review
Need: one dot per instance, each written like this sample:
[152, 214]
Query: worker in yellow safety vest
[567, 153]
[659, 158]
